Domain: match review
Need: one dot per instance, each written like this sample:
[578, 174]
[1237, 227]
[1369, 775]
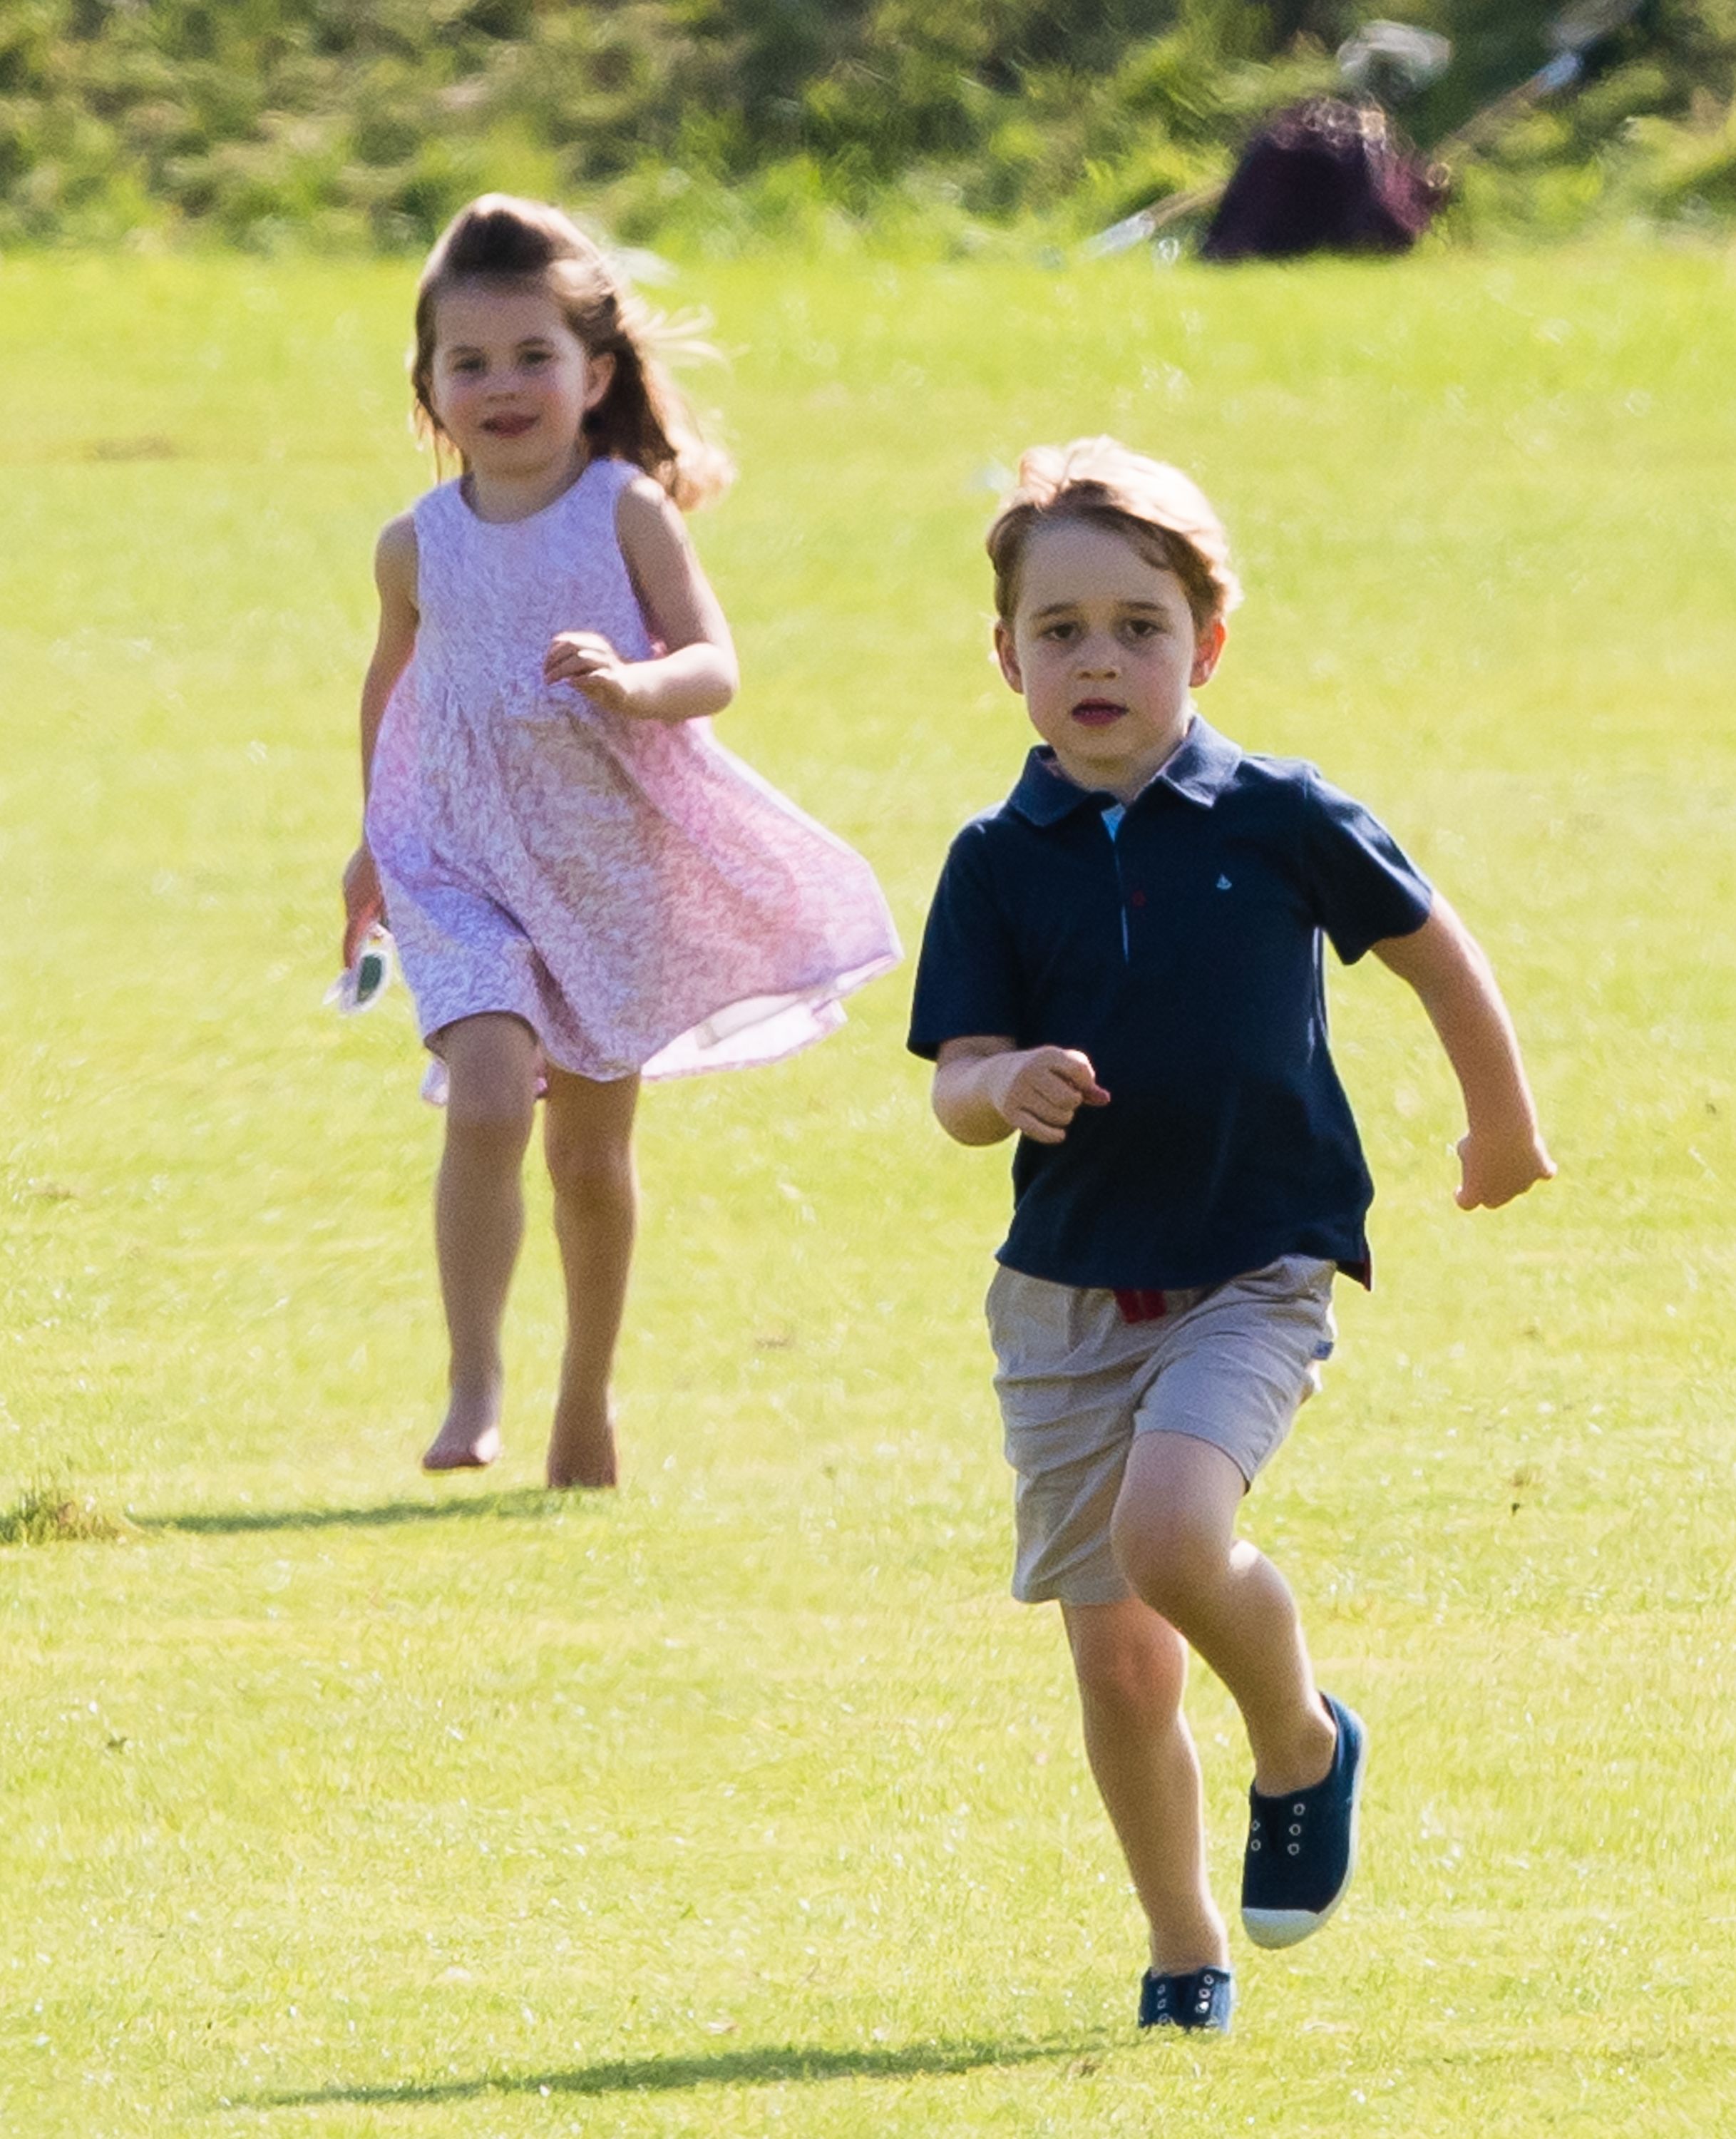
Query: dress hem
[810, 1015]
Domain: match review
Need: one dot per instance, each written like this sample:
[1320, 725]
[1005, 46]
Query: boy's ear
[1007, 655]
[1208, 649]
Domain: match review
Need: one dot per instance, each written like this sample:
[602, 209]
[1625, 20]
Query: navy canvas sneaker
[1302, 1848]
[1204, 1998]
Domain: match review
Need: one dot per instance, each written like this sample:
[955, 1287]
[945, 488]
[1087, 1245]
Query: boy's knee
[1127, 1673]
[1169, 1557]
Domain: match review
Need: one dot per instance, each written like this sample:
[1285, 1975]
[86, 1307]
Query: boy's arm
[985, 1087]
[1501, 1152]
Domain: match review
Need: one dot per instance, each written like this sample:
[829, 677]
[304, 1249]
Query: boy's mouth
[1097, 712]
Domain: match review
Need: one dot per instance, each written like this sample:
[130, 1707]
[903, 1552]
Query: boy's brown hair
[1164, 513]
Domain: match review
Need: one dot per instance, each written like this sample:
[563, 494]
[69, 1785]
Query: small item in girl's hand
[359, 986]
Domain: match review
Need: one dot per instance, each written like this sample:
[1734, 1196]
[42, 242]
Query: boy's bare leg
[479, 1220]
[1131, 1666]
[588, 1141]
[1174, 1533]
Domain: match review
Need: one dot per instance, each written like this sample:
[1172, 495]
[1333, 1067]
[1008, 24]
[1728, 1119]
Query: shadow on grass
[526, 1501]
[769, 2066]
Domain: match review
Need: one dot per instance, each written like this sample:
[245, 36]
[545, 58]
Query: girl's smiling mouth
[508, 427]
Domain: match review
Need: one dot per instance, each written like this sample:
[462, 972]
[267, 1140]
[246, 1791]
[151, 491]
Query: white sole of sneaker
[1275, 1928]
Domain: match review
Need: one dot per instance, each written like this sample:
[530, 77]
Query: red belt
[1149, 1306]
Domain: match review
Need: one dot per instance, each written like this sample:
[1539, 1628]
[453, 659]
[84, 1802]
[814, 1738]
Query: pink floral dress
[632, 891]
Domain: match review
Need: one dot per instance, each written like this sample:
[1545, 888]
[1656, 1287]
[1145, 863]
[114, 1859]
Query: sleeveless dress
[631, 890]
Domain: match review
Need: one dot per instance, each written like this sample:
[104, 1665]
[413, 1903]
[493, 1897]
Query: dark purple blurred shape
[1324, 176]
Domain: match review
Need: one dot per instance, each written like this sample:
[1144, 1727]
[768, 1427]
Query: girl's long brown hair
[643, 417]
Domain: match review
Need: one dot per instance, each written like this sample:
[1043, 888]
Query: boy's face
[1104, 648]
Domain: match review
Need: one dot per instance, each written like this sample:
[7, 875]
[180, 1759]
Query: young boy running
[1123, 965]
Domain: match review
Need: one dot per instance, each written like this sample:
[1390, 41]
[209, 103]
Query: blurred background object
[1393, 61]
[1336, 173]
[690, 127]
[1324, 176]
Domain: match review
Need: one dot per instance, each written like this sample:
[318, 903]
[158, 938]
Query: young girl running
[585, 888]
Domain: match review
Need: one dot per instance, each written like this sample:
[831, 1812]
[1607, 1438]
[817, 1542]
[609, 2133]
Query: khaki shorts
[1229, 1365]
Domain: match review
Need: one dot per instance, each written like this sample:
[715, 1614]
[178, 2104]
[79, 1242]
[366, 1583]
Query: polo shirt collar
[1199, 769]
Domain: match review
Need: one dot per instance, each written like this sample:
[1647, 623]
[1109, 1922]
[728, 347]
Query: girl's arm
[394, 575]
[695, 672]
[1501, 1152]
[986, 1087]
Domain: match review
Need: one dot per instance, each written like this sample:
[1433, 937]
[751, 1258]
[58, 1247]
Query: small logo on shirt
[1224, 883]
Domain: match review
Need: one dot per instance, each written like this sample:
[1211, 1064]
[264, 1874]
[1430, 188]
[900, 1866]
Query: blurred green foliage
[347, 123]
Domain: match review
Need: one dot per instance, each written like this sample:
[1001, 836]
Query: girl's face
[511, 382]
[1104, 648]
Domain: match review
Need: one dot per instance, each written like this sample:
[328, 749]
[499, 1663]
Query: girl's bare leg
[589, 1140]
[479, 1220]
[1130, 1666]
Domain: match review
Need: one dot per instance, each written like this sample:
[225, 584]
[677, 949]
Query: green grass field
[340, 1801]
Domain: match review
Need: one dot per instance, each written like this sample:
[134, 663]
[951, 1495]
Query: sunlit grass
[56, 1514]
[340, 1801]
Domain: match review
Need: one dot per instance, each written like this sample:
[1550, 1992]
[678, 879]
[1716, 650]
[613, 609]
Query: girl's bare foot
[469, 1438]
[582, 1448]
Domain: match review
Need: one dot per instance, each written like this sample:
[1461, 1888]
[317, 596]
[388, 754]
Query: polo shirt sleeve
[968, 982]
[1362, 886]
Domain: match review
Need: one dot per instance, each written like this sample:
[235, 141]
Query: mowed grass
[340, 1801]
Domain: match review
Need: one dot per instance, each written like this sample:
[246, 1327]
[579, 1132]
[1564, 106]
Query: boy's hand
[1039, 1092]
[1494, 1169]
[363, 902]
[587, 660]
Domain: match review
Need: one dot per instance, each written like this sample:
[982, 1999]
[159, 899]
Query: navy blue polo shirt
[1182, 951]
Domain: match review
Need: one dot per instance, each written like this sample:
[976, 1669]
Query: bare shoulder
[394, 561]
[674, 593]
[394, 554]
[647, 516]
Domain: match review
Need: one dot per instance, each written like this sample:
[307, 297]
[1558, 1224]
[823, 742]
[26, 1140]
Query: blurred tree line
[351, 122]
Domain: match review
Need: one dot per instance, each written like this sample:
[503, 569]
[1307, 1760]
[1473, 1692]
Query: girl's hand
[1494, 1170]
[586, 660]
[364, 904]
